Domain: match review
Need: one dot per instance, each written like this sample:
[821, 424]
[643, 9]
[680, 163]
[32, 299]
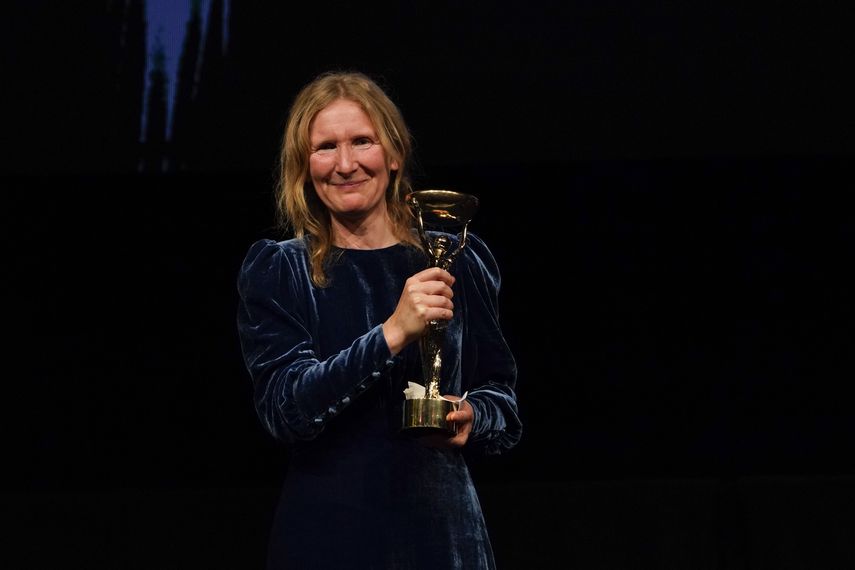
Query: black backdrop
[666, 191]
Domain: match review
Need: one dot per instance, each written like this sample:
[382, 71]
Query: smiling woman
[330, 323]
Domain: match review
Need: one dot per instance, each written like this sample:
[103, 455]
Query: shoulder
[267, 258]
[475, 260]
[477, 245]
[473, 241]
[269, 247]
[269, 251]
[476, 251]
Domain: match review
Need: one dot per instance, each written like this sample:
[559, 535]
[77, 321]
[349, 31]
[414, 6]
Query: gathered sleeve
[295, 393]
[489, 368]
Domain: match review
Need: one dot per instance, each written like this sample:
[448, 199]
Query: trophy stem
[426, 415]
[431, 350]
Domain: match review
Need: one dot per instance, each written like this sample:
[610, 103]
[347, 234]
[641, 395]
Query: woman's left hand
[464, 417]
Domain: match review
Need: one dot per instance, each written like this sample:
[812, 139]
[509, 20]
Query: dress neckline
[374, 250]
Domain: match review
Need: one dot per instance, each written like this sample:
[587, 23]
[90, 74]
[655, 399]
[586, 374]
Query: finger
[437, 302]
[460, 418]
[429, 306]
[458, 440]
[421, 292]
[435, 274]
[436, 288]
[443, 315]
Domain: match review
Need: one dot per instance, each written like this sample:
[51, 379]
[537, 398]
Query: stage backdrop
[666, 190]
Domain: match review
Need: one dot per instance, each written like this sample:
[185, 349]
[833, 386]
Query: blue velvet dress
[358, 493]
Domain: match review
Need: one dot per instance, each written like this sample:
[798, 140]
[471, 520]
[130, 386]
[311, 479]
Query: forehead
[341, 117]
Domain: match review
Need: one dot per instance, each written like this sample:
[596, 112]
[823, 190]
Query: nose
[345, 160]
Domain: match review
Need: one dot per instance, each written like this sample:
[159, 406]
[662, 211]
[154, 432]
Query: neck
[364, 233]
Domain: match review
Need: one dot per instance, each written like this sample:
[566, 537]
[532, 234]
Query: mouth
[348, 183]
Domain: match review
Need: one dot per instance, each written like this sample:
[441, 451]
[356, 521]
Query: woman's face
[347, 164]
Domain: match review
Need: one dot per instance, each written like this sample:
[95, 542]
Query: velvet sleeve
[490, 370]
[295, 393]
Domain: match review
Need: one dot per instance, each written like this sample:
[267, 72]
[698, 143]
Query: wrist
[394, 336]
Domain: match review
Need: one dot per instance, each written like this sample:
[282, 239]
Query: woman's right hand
[426, 297]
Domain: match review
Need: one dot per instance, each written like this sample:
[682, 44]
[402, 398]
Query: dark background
[666, 189]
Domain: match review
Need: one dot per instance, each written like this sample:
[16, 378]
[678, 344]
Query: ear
[393, 165]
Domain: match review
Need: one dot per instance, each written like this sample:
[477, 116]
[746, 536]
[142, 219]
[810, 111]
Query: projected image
[185, 47]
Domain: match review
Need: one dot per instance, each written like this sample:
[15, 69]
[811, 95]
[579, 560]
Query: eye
[325, 148]
[362, 143]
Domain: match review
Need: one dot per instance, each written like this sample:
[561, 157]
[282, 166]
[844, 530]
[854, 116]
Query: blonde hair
[298, 205]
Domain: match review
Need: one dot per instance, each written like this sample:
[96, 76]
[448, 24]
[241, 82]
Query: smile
[349, 183]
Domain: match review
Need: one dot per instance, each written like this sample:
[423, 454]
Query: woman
[328, 323]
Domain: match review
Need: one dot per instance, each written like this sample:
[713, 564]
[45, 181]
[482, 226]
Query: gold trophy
[446, 210]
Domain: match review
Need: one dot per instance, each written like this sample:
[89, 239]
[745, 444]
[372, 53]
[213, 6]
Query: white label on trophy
[416, 391]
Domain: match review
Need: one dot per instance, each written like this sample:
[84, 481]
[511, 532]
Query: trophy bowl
[443, 208]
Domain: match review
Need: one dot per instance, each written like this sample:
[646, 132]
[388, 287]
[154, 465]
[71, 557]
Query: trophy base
[424, 416]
